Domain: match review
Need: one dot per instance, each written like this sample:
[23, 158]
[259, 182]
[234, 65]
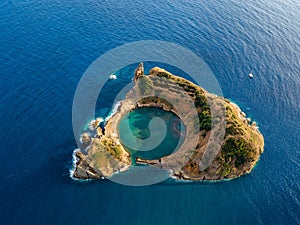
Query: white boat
[112, 77]
[251, 75]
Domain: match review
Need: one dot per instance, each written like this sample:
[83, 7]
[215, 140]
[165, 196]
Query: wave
[93, 124]
[74, 162]
[72, 170]
[113, 111]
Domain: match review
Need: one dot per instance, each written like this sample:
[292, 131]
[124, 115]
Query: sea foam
[74, 161]
[113, 111]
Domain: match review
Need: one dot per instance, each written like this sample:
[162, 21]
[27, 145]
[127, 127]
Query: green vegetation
[200, 100]
[204, 115]
[241, 145]
[186, 85]
[157, 100]
[237, 150]
[231, 130]
[234, 130]
[226, 169]
[145, 85]
[112, 148]
[117, 150]
[164, 74]
[233, 126]
[98, 155]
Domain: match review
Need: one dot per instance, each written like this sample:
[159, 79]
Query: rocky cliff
[239, 149]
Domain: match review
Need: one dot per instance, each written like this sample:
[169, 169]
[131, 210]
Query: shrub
[204, 120]
[200, 100]
[117, 151]
[237, 149]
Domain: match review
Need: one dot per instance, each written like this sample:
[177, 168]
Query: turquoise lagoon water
[139, 120]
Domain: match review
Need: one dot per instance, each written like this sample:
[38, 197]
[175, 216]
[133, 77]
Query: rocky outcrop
[83, 168]
[139, 71]
[104, 157]
[86, 138]
[240, 149]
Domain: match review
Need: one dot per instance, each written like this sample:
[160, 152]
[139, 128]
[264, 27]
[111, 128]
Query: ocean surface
[45, 48]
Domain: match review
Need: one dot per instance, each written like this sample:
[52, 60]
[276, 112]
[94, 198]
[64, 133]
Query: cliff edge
[239, 150]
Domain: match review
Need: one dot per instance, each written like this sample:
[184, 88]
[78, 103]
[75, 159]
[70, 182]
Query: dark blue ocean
[45, 48]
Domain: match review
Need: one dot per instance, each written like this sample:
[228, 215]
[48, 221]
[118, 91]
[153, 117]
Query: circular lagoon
[151, 133]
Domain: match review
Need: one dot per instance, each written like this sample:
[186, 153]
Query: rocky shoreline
[240, 150]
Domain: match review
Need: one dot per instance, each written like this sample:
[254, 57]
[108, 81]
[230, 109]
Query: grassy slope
[242, 144]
